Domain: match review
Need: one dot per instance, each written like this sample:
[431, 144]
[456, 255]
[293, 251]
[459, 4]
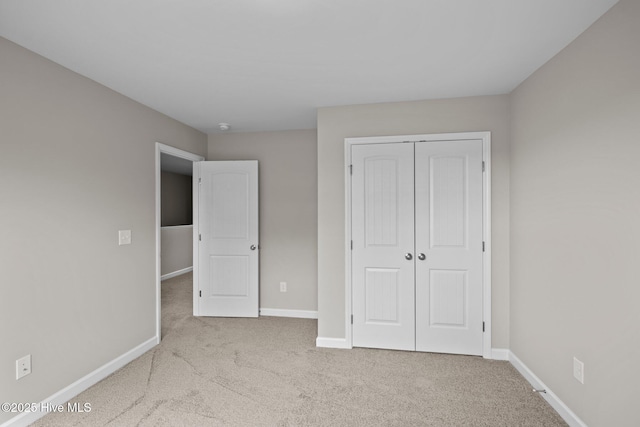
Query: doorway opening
[174, 161]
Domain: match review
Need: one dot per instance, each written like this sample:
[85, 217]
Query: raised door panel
[229, 220]
[448, 204]
[229, 276]
[381, 201]
[448, 299]
[382, 296]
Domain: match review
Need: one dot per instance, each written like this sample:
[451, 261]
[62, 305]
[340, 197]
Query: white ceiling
[269, 64]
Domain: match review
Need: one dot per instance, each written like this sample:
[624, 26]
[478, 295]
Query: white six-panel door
[417, 246]
[227, 264]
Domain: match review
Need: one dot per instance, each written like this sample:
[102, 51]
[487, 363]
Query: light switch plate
[124, 237]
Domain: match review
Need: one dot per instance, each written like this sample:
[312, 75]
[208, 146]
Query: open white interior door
[226, 264]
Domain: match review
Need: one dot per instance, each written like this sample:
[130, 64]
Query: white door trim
[486, 227]
[176, 152]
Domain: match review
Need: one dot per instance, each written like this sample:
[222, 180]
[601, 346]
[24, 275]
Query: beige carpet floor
[268, 372]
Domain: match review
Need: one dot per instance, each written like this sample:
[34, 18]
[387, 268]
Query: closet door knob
[408, 257]
[252, 247]
[422, 257]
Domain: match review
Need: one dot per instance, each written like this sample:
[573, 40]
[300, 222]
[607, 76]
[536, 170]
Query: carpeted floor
[268, 372]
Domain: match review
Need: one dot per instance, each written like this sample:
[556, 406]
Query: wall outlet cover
[23, 366]
[578, 370]
[124, 237]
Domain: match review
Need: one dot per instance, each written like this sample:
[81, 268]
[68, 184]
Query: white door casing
[383, 284]
[175, 152]
[228, 247]
[454, 193]
[448, 230]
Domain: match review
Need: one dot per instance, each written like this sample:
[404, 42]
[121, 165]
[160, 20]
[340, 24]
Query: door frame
[486, 220]
[175, 152]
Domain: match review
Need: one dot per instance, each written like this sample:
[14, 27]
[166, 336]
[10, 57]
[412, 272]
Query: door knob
[409, 257]
[422, 257]
[252, 247]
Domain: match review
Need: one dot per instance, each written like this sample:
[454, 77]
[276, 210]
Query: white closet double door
[418, 246]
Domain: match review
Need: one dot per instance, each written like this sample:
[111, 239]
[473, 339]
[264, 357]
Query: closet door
[448, 208]
[383, 243]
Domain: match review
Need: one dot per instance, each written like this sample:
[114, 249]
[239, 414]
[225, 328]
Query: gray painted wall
[77, 164]
[575, 228]
[176, 199]
[176, 248]
[176, 209]
[488, 113]
[288, 211]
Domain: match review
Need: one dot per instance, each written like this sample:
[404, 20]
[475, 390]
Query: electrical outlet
[23, 366]
[283, 286]
[578, 370]
[124, 237]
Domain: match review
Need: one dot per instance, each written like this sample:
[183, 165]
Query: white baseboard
[175, 273]
[332, 342]
[500, 353]
[563, 410]
[278, 312]
[69, 392]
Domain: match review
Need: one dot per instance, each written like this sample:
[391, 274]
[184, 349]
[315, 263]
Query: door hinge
[200, 180]
[483, 166]
[200, 293]
[352, 245]
[352, 319]
[482, 326]
[200, 237]
[482, 246]
[350, 169]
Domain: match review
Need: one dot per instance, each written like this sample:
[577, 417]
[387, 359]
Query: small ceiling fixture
[224, 126]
